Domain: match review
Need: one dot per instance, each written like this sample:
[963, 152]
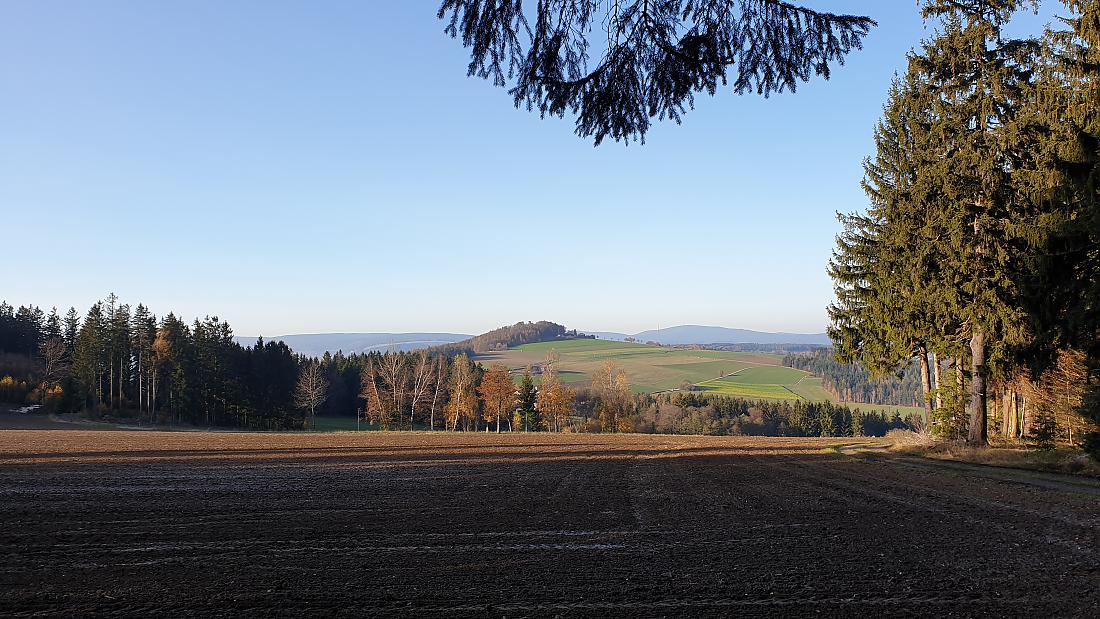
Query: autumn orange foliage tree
[498, 394]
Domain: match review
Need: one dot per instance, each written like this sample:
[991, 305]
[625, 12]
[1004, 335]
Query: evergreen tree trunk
[958, 410]
[140, 385]
[976, 402]
[936, 376]
[153, 397]
[925, 382]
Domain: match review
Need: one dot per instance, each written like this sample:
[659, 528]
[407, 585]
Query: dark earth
[187, 523]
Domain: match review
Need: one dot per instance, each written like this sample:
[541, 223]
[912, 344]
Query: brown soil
[140, 523]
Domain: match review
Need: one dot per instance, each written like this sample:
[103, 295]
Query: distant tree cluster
[507, 337]
[978, 254]
[851, 382]
[768, 348]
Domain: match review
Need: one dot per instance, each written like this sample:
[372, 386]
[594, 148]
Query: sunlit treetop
[618, 64]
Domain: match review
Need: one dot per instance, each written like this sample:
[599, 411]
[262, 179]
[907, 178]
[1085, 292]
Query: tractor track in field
[171, 524]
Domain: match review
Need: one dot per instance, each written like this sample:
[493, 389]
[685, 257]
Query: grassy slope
[650, 368]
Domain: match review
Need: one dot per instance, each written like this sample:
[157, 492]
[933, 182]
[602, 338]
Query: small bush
[1044, 432]
[1091, 445]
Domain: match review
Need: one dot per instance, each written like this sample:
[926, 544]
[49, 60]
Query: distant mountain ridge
[682, 335]
[316, 344]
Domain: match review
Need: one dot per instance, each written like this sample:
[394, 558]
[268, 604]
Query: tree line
[703, 413]
[977, 256]
[121, 360]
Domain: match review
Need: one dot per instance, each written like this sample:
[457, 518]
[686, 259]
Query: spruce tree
[71, 328]
[528, 397]
[1066, 295]
[883, 317]
[655, 58]
[975, 80]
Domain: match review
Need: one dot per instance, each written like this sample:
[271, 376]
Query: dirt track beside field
[517, 525]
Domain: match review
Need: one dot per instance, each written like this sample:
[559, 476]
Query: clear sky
[314, 166]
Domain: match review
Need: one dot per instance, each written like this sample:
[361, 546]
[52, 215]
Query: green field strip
[764, 375]
[749, 391]
[810, 388]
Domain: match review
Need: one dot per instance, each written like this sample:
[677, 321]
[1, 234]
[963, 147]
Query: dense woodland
[851, 382]
[118, 360]
[979, 254]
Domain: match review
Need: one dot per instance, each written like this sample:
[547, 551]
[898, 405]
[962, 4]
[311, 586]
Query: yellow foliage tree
[555, 402]
[463, 402]
[612, 388]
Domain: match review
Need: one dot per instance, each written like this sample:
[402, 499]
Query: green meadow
[654, 369]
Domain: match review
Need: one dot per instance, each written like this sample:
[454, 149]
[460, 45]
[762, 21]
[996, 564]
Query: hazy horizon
[570, 327]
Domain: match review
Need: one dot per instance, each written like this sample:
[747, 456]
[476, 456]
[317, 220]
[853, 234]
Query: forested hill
[507, 337]
[853, 383]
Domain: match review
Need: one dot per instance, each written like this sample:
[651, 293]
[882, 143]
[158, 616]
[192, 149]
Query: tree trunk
[153, 398]
[925, 382]
[936, 377]
[976, 403]
[140, 386]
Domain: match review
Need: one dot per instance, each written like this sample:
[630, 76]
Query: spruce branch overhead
[649, 58]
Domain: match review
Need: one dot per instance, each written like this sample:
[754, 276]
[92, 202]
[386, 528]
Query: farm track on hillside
[140, 523]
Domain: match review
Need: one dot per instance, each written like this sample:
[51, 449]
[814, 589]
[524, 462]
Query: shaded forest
[851, 382]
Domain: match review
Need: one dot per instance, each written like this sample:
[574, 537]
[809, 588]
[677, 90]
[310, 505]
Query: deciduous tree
[311, 390]
[498, 393]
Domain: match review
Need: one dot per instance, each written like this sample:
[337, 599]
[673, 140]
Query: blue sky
[327, 166]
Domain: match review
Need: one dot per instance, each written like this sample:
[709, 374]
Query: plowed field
[140, 523]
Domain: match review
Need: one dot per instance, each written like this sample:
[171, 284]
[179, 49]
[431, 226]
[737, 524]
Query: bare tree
[55, 365]
[394, 376]
[373, 410]
[421, 379]
[311, 390]
[440, 371]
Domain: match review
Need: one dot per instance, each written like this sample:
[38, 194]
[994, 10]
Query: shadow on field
[465, 453]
